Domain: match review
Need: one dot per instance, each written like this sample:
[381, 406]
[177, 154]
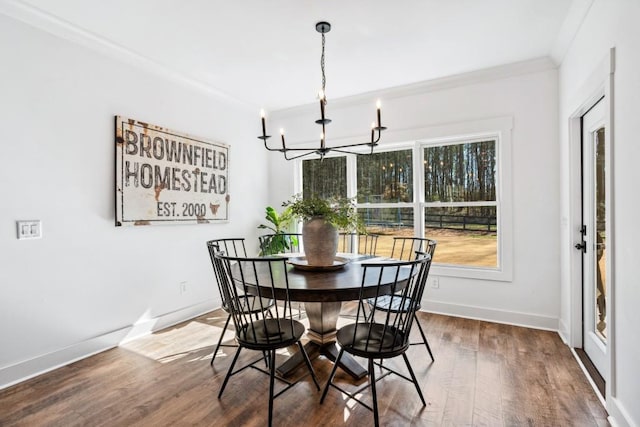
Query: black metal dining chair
[365, 244]
[233, 247]
[265, 278]
[388, 338]
[405, 248]
[388, 303]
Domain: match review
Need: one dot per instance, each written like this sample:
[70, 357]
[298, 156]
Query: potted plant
[321, 220]
[279, 225]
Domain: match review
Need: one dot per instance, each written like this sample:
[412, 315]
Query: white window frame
[497, 129]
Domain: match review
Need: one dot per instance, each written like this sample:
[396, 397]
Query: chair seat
[270, 333]
[372, 340]
[394, 303]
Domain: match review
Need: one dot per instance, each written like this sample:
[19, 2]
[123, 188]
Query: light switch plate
[31, 229]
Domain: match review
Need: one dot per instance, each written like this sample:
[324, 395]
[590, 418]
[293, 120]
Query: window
[460, 205]
[454, 189]
[324, 178]
[385, 195]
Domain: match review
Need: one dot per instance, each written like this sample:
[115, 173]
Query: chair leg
[229, 372]
[272, 376]
[413, 378]
[308, 362]
[374, 395]
[333, 373]
[424, 337]
[220, 340]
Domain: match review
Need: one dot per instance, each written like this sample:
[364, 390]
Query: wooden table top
[326, 286]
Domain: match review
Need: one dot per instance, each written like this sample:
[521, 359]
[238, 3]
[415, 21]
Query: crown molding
[464, 79]
[35, 17]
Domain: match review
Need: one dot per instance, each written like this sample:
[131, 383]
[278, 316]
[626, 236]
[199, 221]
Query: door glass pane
[465, 235]
[601, 237]
[325, 179]
[387, 223]
[385, 177]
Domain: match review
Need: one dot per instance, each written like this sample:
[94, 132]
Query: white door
[594, 242]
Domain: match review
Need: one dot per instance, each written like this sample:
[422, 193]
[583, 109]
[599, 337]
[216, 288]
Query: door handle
[581, 247]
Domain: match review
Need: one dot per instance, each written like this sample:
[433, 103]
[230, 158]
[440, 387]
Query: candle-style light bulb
[264, 128]
[378, 107]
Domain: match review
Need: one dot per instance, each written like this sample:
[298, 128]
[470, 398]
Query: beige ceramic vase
[320, 240]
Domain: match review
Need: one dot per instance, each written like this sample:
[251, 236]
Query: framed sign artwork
[168, 177]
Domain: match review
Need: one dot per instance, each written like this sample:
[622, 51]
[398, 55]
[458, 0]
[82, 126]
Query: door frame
[599, 85]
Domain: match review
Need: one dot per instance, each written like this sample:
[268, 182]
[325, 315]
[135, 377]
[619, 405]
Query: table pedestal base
[323, 319]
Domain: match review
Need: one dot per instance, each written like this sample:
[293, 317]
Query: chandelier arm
[269, 148]
[350, 151]
[375, 142]
[300, 149]
[299, 155]
[358, 144]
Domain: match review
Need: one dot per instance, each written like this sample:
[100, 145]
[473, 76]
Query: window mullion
[418, 190]
[352, 178]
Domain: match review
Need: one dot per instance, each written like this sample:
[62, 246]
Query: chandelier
[291, 153]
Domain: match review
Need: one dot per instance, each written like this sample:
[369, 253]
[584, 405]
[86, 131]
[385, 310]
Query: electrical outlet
[29, 229]
[435, 282]
[183, 287]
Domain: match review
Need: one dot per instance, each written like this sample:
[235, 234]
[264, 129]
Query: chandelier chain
[324, 79]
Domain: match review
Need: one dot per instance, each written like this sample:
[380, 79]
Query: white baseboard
[492, 315]
[618, 415]
[38, 365]
[563, 331]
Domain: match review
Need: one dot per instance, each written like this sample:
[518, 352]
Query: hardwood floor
[485, 374]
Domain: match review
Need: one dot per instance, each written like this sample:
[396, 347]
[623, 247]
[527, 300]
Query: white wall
[612, 23]
[528, 94]
[84, 285]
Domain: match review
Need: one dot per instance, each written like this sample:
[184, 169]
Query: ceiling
[267, 53]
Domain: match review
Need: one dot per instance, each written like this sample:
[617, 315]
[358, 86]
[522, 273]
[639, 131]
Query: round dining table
[322, 291]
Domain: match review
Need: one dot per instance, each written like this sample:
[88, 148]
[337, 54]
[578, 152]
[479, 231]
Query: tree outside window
[326, 178]
[460, 208]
